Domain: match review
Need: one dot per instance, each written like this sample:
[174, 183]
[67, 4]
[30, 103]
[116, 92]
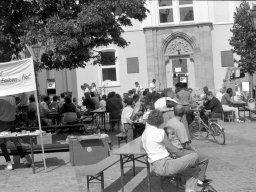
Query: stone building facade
[180, 40]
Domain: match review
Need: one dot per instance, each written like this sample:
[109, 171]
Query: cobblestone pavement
[232, 169]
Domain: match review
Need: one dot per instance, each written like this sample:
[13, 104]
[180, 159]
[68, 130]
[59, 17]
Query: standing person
[7, 123]
[32, 111]
[254, 92]
[159, 150]
[227, 104]
[94, 88]
[152, 86]
[184, 145]
[62, 100]
[183, 95]
[138, 88]
[126, 120]
[184, 98]
[114, 107]
[137, 110]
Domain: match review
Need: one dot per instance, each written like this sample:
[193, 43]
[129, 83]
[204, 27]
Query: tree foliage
[71, 30]
[244, 39]
[12, 15]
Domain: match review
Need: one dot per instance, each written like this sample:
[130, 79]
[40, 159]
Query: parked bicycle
[199, 129]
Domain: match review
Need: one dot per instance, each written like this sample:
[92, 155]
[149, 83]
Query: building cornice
[179, 25]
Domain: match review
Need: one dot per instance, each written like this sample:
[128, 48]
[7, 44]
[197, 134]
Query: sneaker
[238, 121]
[202, 183]
[9, 166]
[25, 162]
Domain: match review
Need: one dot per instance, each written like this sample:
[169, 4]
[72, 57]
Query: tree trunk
[251, 85]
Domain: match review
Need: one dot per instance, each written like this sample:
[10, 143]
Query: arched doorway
[179, 67]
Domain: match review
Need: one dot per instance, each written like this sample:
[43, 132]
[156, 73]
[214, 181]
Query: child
[173, 137]
[126, 119]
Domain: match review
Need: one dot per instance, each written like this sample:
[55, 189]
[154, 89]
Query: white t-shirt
[161, 103]
[152, 87]
[126, 115]
[153, 143]
[219, 95]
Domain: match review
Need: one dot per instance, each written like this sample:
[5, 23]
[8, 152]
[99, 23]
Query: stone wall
[193, 41]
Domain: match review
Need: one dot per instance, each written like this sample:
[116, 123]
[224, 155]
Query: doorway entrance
[180, 69]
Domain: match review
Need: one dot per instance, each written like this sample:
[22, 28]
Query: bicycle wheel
[218, 133]
[197, 130]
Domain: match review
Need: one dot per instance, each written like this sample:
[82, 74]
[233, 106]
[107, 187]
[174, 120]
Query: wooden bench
[48, 148]
[228, 114]
[121, 137]
[95, 171]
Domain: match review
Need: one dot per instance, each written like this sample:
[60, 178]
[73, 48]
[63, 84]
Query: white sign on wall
[245, 86]
[177, 69]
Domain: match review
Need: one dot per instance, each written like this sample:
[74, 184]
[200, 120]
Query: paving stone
[232, 168]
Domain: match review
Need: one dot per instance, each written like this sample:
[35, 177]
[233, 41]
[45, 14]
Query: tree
[12, 15]
[72, 30]
[244, 40]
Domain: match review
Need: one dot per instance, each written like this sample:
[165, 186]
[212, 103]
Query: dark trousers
[9, 126]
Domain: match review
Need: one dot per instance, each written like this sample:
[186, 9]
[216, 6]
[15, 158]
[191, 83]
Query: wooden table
[250, 111]
[239, 104]
[55, 116]
[26, 135]
[101, 113]
[132, 151]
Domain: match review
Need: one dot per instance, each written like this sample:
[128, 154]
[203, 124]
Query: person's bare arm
[186, 146]
[171, 148]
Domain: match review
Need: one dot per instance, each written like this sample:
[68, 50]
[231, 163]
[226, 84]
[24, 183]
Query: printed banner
[17, 77]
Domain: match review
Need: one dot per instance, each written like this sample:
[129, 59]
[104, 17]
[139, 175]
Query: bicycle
[199, 129]
[208, 188]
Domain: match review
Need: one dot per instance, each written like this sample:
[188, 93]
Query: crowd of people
[167, 143]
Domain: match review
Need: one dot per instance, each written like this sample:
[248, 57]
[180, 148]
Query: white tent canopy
[19, 77]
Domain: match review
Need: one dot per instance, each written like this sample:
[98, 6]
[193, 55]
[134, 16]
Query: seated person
[44, 109]
[159, 150]
[88, 102]
[32, 114]
[103, 101]
[69, 111]
[179, 138]
[54, 104]
[213, 104]
[227, 104]
[95, 100]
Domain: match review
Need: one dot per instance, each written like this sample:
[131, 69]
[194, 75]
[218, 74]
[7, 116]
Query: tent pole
[40, 128]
